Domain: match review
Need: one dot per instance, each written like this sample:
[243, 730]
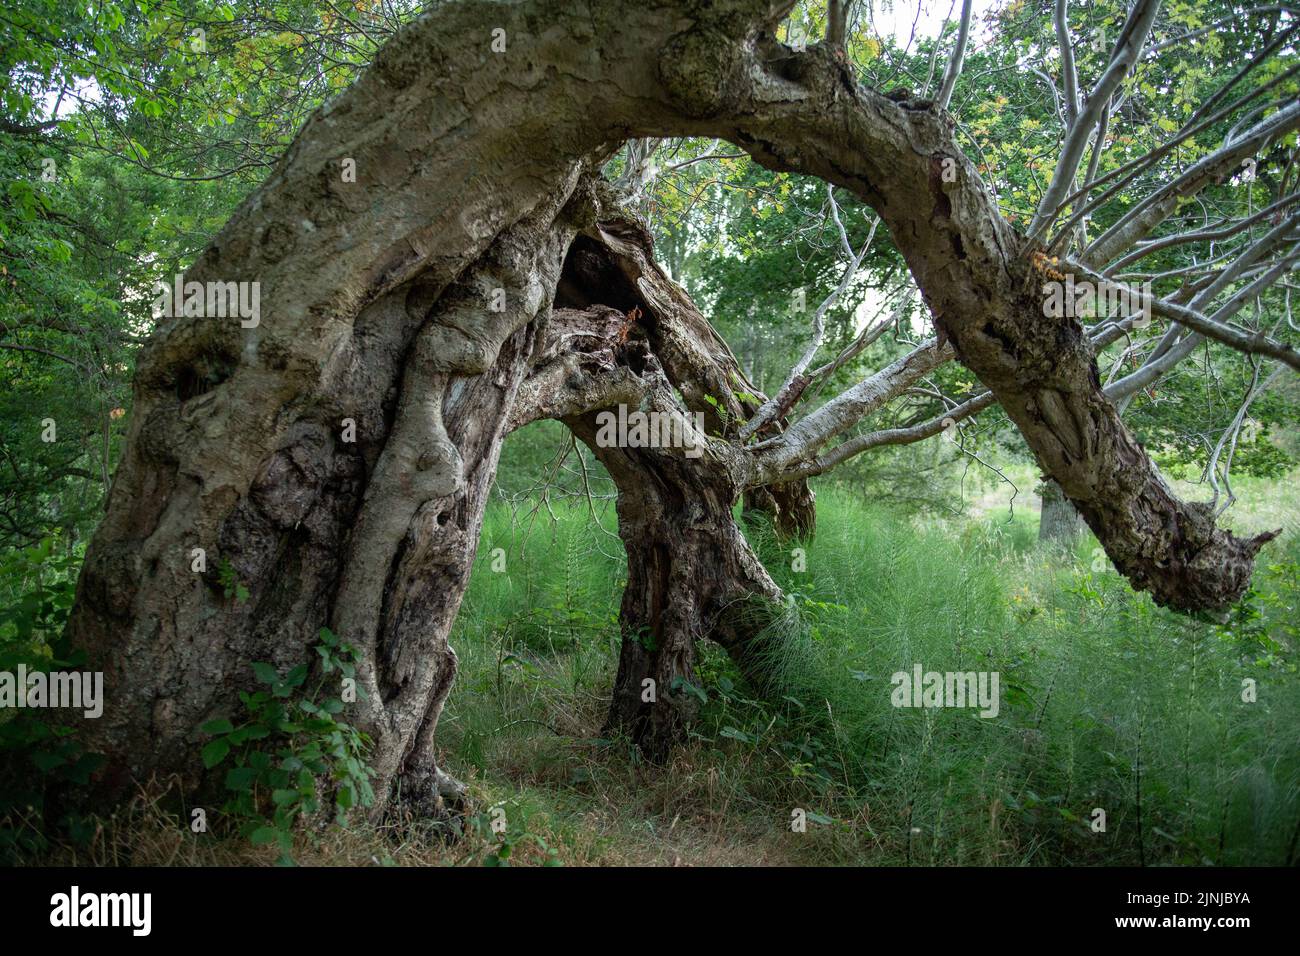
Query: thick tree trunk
[335, 457]
[373, 538]
[690, 575]
[629, 336]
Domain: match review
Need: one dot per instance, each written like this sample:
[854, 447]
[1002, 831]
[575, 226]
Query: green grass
[1107, 702]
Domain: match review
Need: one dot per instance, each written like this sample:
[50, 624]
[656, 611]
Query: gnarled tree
[475, 276]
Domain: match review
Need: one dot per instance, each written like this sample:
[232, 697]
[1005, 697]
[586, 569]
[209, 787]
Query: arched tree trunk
[334, 458]
[378, 313]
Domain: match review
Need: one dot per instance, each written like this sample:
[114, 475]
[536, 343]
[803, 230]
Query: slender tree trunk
[1059, 522]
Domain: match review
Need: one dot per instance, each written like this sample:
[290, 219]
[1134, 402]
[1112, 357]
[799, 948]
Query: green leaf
[346, 797]
[240, 779]
[265, 673]
[264, 835]
[46, 761]
[215, 752]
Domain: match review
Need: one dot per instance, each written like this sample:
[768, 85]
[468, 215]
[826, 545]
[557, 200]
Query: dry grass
[149, 830]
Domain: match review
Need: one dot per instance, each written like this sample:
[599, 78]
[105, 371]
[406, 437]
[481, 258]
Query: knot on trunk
[703, 72]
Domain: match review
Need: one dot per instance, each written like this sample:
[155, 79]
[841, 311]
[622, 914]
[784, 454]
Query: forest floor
[1107, 704]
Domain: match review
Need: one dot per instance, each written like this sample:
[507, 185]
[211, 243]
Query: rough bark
[805, 112]
[375, 307]
[691, 575]
[373, 539]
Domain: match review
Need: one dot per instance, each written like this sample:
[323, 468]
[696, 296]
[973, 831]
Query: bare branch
[837, 18]
[1127, 50]
[1069, 77]
[1102, 335]
[785, 396]
[953, 69]
[891, 436]
[1252, 343]
[1155, 207]
[1230, 436]
[1205, 235]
